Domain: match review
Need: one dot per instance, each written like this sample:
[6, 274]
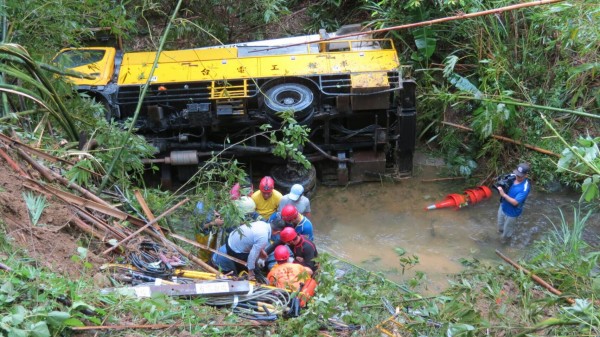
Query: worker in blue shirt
[512, 201]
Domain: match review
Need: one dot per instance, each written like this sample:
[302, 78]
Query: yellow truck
[349, 91]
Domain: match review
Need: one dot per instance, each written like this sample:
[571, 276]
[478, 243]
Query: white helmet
[245, 204]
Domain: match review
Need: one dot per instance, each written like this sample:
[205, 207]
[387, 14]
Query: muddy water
[364, 224]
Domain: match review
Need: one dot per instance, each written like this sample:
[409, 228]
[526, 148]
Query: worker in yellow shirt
[267, 198]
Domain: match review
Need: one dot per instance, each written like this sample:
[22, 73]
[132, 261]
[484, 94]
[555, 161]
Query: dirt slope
[52, 242]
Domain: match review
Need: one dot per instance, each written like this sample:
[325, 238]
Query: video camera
[505, 181]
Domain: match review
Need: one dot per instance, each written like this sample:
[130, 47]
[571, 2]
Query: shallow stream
[364, 224]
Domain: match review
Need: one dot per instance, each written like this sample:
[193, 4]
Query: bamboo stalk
[5, 267]
[146, 209]
[508, 140]
[18, 144]
[441, 179]
[52, 176]
[13, 164]
[146, 226]
[101, 225]
[199, 245]
[461, 16]
[534, 277]
[87, 228]
[159, 326]
[185, 253]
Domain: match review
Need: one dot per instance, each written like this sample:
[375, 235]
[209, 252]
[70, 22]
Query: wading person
[512, 201]
[297, 199]
[267, 198]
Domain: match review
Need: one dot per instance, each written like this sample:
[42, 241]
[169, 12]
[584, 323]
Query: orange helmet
[281, 253]
[288, 234]
[289, 213]
[267, 184]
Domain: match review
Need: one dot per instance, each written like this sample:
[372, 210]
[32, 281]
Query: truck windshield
[76, 57]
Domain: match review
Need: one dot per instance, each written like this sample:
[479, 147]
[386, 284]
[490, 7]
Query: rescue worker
[208, 230]
[303, 249]
[244, 243]
[296, 198]
[301, 224]
[291, 276]
[267, 198]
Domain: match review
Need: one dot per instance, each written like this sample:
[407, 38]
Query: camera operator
[512, 201]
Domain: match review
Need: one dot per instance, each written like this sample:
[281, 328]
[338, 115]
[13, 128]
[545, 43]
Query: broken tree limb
[147, 225]
[199, 245]
[13, 143]
[161, 326]
[5, 267]
[185, 253]
[117, 230]
[462, 16]
[534, 277]
[87, 229]
[146, 209]
[13, 164]
[508, 140]
[52, 176]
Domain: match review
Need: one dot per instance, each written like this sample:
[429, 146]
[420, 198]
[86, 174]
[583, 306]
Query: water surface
[364, 224]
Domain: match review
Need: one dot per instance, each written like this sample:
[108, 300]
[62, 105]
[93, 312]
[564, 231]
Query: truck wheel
[290, 97]
[287, 175]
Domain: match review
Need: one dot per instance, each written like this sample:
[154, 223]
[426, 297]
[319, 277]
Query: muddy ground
[51, 242]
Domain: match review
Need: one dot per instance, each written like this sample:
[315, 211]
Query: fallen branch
[87, 229]
[13, 164]
[534, 277]
[508, 140]
[160, 326]
[441, 179]
[5, 267]
[52, 176]
[146, 209]
[101, 224]
[185, 253]
[146, 226]
[199, 245]
[17, 144]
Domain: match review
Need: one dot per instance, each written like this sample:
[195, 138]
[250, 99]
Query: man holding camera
[512, 201]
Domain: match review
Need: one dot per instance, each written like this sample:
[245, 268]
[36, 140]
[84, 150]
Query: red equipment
[267, 184]
[470, 197]
[289, 213]
[281, 253]
[288, 234]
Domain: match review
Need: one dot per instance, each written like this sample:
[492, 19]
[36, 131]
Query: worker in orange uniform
[292, 276]
[267, 198]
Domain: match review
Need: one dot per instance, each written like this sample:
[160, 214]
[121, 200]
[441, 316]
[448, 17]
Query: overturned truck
[349, 91]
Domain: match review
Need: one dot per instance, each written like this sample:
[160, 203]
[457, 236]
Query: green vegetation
[529, 75]
[483, 300]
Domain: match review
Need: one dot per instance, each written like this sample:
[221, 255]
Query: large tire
[287, 175]
[294, 97]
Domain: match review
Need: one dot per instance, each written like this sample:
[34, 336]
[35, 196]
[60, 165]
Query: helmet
[245, 204]
[289, 213]
[267, 184]
[288, 234]
[281, 253]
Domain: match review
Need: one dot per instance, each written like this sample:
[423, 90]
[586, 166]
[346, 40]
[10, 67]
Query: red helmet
[281, 253]
[267, 184]
[289, 213]
[288, 234]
